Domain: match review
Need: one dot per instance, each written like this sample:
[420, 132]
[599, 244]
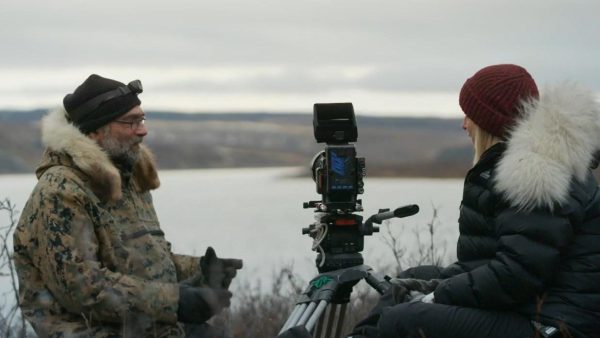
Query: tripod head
[339, 238]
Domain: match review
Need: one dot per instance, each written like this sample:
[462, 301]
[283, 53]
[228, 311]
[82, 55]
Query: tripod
[330, 290]
[333, 289]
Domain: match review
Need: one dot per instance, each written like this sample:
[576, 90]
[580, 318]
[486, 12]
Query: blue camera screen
[342, 171]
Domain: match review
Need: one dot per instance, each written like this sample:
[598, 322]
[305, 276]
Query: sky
[387, 57]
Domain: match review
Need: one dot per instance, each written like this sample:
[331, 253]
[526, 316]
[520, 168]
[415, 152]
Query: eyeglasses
[133, 124]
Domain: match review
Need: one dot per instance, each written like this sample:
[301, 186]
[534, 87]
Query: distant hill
[392, 146]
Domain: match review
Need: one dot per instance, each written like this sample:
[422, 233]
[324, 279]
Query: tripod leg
[316, 315]
[340, 322]
[298, 309]
[320, 326]
[330, 320]
[294, 316]
[307, 313]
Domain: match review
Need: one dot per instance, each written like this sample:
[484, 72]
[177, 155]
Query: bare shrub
[261, 314]
[258, 313]
[12, 323]
[427, 250]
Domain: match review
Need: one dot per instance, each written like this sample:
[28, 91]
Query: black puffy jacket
[530, 220]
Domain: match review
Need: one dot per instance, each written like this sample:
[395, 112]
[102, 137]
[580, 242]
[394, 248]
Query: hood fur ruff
[59, 135]
[553, 144]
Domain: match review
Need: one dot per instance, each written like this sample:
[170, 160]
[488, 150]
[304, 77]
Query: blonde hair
[482, 141]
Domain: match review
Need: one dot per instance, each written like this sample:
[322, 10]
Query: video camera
[338, 233]
[336, 170]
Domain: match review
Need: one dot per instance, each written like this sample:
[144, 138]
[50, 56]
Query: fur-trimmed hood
[61, 136]
[551, 145]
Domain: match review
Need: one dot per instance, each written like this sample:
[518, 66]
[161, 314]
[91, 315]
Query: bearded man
[91, 258]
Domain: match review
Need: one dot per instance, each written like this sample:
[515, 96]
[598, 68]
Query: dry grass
[257, 313]
[262, 314]
[12, 323]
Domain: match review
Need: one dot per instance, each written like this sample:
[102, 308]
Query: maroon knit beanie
[492, 97]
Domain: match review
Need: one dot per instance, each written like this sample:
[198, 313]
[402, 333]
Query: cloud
[288, 48]
[227, 89]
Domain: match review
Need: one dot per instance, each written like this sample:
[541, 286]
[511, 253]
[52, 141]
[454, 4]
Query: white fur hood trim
[60, 135]
[553, 144]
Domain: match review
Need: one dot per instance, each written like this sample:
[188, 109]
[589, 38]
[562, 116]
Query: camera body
[336, 170]
[338, 174]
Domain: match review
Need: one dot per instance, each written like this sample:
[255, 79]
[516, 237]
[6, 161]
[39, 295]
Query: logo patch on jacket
[485, 175]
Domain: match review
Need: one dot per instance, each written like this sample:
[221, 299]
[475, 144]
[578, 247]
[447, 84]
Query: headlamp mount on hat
[134, 87]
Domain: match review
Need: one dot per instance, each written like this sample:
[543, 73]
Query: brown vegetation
[392, 146]
[12, 324]
[256, 313]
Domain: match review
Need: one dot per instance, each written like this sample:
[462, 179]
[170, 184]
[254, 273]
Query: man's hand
[218, 272]
[197, 305]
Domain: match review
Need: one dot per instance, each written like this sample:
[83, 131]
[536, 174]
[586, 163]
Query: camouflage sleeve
[187, 266]
[67, 256]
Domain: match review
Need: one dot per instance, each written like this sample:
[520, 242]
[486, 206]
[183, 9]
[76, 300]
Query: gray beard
[122, 152]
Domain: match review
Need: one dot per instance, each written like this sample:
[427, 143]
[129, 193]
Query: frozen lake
[257, 215]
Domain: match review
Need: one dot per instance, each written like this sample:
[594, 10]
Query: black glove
[402, 290]
[218, 272]
[402, 287]
[367, 328]
[197, 305]
[415, 296]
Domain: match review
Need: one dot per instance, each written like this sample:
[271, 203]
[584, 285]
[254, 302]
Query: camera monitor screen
[342, 169]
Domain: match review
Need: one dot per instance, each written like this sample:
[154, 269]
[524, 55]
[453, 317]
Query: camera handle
[384, 214]
[331, 289]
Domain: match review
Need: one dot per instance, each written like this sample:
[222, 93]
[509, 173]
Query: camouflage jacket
[91, 258]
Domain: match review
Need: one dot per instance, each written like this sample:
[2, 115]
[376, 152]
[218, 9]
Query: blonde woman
[528, 253]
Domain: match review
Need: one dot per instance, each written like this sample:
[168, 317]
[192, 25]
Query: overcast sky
[388, 57]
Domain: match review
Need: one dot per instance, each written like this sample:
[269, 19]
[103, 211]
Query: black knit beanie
[89, 115]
